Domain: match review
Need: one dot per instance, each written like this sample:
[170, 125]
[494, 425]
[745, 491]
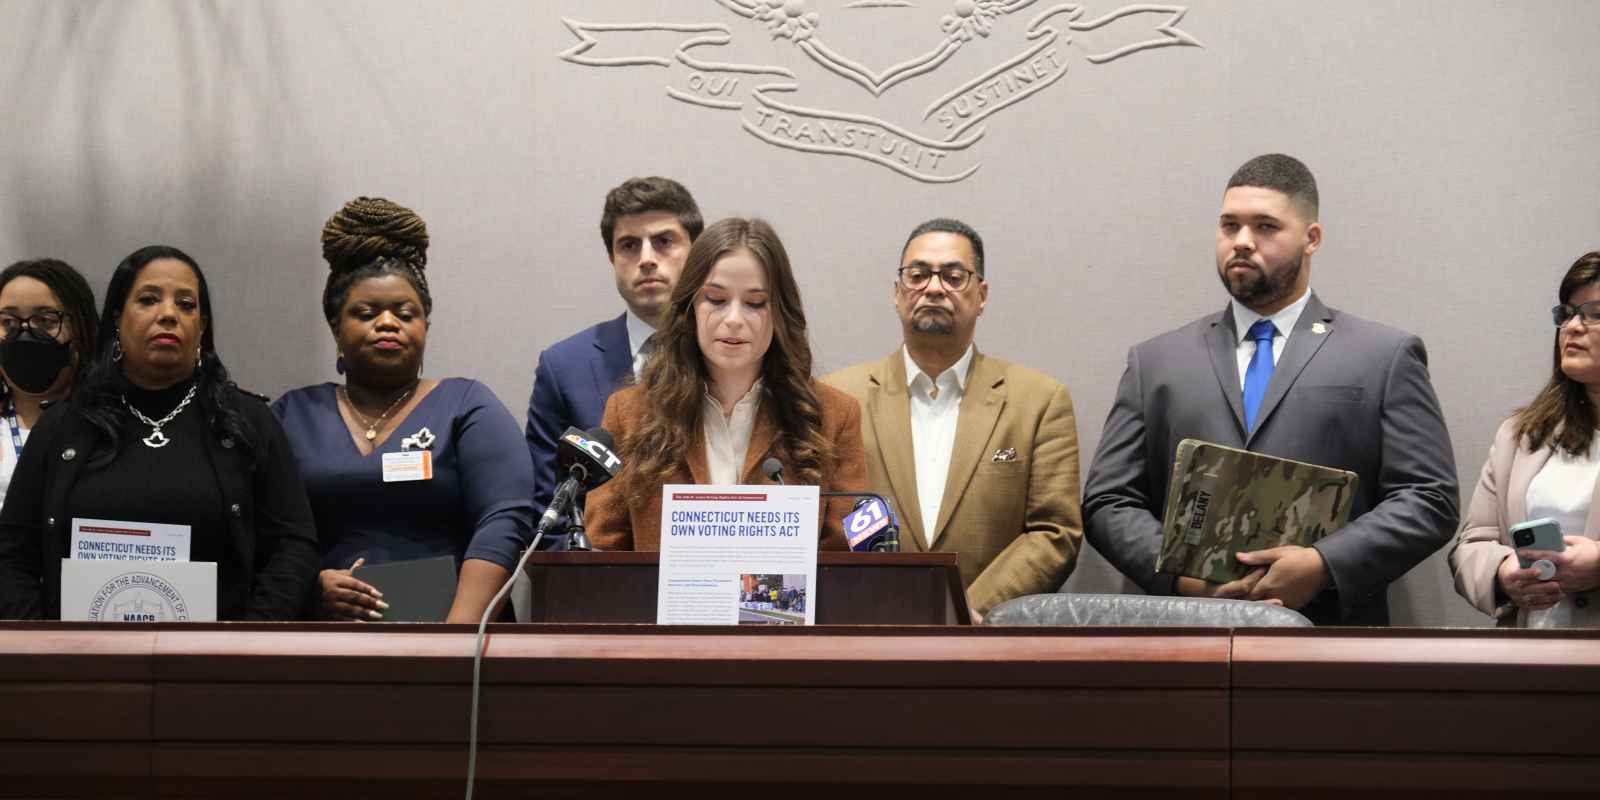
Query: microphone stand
[576, 538]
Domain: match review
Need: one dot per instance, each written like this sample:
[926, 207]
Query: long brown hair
[674, 381]
[1561, 415]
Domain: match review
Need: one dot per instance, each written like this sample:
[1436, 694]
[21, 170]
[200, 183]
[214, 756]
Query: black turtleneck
[174, 484]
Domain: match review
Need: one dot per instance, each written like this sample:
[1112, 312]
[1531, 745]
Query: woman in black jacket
[158, 434]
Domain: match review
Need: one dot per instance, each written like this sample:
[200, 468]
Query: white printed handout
[111, 540]
[743, 555]
[138, 591]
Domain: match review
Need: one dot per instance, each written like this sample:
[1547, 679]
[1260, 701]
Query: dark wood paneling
[331, 653]
[1261, 775]
[74, 711]
[55, 651]
[401, 767]
[761, 717]
[82, 761]
[868, 656]
[376, 712]
[609, 710]
[1418, 722]
[1407, 713]
[1487, 660]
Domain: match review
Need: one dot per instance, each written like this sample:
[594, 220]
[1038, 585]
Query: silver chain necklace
[156, 437]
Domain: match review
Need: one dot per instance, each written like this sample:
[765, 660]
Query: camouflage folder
[1224, 501]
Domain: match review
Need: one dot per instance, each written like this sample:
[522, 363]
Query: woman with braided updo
[399, 466]
[157, 433]
[728, 386]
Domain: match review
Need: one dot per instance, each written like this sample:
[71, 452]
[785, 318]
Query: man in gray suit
[1278, 372]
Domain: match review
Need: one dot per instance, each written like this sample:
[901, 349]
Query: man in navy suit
[647, 226]
[1278, 372]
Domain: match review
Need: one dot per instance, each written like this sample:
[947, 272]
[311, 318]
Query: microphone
[871, 524]
[588, 460]
[872, 514]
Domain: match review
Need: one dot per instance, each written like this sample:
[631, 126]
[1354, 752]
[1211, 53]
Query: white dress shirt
[935, 407]
[1284, 321]
[728, 435]
[639, 332]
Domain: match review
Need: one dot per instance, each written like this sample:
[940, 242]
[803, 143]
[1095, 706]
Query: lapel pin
[1008, 454]
[1318, 328]
[421, 440]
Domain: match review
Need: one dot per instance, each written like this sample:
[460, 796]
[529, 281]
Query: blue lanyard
[16, 431]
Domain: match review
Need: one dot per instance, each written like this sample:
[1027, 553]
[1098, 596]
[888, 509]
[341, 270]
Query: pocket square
[1007, 454]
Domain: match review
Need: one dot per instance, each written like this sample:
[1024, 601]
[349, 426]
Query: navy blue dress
[477, 505]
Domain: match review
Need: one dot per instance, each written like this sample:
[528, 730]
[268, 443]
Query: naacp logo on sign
[137, 597]
[938, 147]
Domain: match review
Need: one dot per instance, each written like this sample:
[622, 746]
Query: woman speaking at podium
[727, 386]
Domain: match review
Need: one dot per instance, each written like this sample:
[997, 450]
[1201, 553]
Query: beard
[933, 321]
[1260, 288]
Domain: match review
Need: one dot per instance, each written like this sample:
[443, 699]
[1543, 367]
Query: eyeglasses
[917, 278]
[1590, 312]
[46, 321]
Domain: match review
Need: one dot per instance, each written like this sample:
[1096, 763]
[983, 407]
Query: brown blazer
[1015, 523]
[614, 525]
[1500, 501]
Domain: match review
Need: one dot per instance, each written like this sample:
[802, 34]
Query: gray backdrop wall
[1455, 144]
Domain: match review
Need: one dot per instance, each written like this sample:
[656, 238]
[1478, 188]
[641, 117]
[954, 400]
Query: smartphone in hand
[1537, 534]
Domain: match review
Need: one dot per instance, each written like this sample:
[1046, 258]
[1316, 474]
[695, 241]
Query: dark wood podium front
[341, 711]
[852, 588]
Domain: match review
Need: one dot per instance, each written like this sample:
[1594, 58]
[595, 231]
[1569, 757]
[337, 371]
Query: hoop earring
[116, 347]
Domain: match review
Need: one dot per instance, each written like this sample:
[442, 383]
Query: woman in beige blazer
[1544, 463]
[728, 385]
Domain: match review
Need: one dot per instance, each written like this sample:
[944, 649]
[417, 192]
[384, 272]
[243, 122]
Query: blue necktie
[1259, 373]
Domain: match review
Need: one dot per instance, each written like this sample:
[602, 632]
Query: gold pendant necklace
[374, 425]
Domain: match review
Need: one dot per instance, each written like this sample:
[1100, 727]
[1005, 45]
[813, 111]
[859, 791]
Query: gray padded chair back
[1138, 609]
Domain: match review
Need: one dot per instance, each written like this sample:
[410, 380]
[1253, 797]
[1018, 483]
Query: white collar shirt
[728, 435]
[1284, 321]
[935, 408]
[639, 332]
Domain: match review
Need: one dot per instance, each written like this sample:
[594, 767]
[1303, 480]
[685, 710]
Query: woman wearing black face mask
[47, 324]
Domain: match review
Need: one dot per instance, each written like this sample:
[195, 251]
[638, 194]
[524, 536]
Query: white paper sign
[744, 555]
[113, 540]
[138, 591]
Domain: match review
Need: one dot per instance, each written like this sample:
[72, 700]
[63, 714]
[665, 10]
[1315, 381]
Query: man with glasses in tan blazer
[980, 456]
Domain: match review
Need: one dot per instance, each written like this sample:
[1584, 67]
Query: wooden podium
[852, 588]
[340, 711]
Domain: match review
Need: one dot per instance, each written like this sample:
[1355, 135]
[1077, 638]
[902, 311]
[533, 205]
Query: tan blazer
[1015, 523]
[1500, 501]
[614, 525]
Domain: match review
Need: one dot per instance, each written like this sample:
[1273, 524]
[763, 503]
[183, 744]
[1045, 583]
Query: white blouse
[728, 434]
[1563, 491]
